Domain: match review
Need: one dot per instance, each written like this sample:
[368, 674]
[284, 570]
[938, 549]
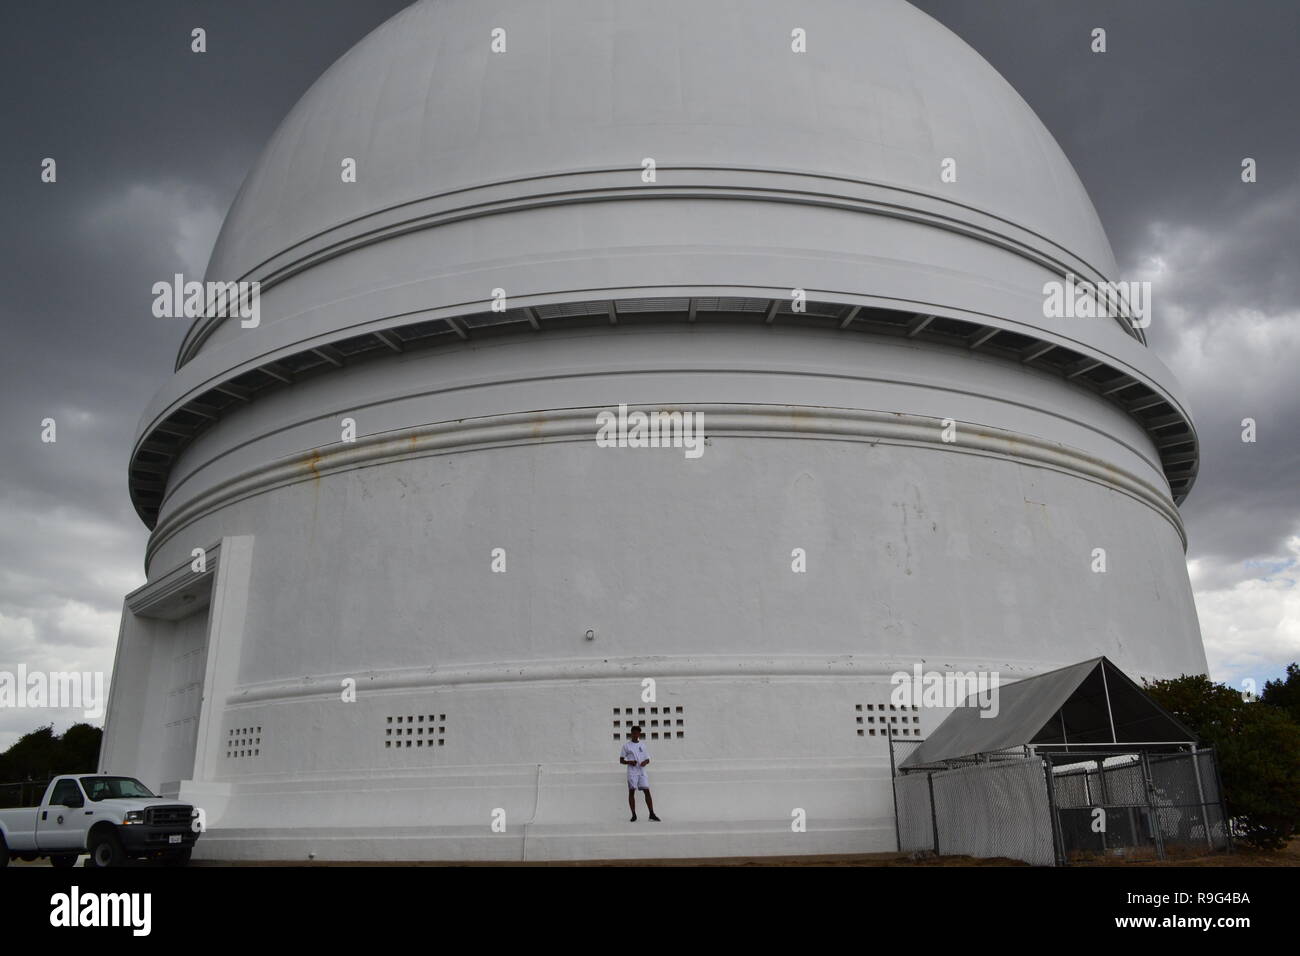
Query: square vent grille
[882, 720]
[415, 731]
[657, 722]
[243, 742]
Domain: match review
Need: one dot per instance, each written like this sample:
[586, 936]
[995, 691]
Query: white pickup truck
[111, 818]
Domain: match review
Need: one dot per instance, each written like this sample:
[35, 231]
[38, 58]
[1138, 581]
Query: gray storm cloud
[152, 143]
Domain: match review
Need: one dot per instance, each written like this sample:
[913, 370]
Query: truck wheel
[64, 861]
[106, 849]
[4, 851]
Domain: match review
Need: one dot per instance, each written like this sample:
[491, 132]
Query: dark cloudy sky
[152, 143]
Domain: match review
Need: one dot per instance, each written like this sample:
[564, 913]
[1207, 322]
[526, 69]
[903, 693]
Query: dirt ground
[1244, 856]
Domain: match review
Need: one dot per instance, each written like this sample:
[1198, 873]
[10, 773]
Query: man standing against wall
[635, 757]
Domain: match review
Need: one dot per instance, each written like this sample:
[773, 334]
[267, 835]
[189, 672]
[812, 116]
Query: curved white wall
[373, 561]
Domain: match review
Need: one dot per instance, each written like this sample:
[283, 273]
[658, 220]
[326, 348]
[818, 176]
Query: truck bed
[21, 826]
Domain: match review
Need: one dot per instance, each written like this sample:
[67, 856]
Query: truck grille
[178, 815]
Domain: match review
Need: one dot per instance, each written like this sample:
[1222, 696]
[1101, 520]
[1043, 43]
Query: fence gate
[1135, 805]
[994, 806]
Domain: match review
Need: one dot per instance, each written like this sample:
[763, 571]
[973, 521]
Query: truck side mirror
[76, 801]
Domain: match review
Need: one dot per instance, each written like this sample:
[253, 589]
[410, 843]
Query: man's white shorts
[637, 779]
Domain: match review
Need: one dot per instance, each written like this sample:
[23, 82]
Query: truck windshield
[113, 788]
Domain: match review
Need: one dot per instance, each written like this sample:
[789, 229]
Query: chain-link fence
[1136, 806]
[994, 806]
[997, 809]
[1058, 808]
[915, 813]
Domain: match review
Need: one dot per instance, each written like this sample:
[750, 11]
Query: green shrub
[1258, 752]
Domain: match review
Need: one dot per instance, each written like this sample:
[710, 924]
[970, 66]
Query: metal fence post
[1058, 839]
[1200, 792]
[1148, 786]
[1223, 801]
[1105, 801]
[934, 817]
[893, 788]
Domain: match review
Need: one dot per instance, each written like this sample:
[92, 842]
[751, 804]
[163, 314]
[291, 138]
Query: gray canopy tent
[1089, 704]
[1063, 751]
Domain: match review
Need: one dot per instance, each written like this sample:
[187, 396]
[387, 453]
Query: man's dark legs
[649, 802]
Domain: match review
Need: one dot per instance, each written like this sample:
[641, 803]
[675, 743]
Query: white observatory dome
[885, 93]
[393, 479]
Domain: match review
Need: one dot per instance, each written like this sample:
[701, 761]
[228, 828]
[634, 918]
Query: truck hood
[133, 803]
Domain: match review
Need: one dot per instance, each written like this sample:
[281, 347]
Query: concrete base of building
[729, 808]
[642, 840]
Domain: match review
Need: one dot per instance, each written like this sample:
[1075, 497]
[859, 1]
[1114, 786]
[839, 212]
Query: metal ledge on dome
[234, 391]
[273, 371]
[918, 324]
[1083, 367]
[390, 340]
[1037, 351]
[163, 443]
[1144, 404]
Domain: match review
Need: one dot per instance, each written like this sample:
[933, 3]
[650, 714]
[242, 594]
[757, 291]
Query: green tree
[31, 756]
[42, 754]
[1284, 694]
[1258, 751]
[79, 749]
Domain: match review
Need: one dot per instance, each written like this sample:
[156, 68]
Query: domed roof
[425, 107]
[516, 179]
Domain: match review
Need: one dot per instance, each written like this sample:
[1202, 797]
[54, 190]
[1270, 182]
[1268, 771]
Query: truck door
[61, 825]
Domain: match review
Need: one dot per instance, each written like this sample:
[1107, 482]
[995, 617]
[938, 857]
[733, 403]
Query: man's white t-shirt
[635, 750]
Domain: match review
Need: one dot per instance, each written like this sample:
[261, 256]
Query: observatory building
[401, 604]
